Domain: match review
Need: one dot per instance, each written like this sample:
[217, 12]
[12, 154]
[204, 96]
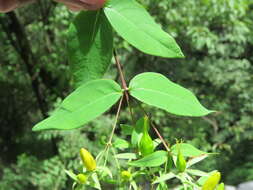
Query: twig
[109, 143]
[115, 122]
[116, 160]
[160, 136]
[123, 83]
[213, 123]
[122, 78]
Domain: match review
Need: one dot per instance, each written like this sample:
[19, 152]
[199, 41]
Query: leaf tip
[180, 55]
[210, 112]
[36, 128]
[39, 127]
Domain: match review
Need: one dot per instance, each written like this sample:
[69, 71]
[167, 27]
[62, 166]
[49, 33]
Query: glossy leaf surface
[164, 177]
[152, 160]
[84, 104]
[136, 26]
[157, 90]
[187, 150]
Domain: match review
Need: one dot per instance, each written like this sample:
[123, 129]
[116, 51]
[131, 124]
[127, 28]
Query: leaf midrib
[150, 158]
[93, 102]
[162, 93]
[140, 29]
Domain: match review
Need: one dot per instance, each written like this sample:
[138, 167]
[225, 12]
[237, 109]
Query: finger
[74, 4]
[94, 4]
[74, 8]
[6, 6]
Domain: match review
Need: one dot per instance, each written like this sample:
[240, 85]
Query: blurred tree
[216, 37]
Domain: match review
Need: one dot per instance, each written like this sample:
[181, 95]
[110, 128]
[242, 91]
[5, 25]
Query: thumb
[8, 5]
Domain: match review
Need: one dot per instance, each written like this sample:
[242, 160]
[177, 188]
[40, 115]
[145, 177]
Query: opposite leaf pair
[95, 97]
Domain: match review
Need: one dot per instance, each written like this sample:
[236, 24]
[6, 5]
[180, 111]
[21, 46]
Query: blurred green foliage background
[217, 39]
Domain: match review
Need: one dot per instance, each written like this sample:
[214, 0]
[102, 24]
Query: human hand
[8, 5]
[74, 5]
[78, 5]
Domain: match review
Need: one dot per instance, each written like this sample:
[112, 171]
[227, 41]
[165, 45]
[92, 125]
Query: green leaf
[187, 150]
[196, 172]
[126, 129]
[164, 177]
[90, 44]
[137, 132]
[71, 174]
[121, 143]
[157, 142]
[157, 90]
[134, 185]
[136, 26]
[96, 183]
[152, 160]
[126, 156]
[83, 105]
[196, 160]
[104, 171]
[162, 186]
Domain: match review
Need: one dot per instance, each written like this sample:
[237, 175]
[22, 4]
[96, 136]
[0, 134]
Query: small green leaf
[126, 129]
[152, 160]
[157, 142]
[196, 160]
[90, 44]
[121, 143]
[136, 26]
[126, 156]
[157, 90]
[137, 132]
[164, 177]
[196, 172]
[104, 171]
[170, 162]
[134, 185]
[162, 186]
[187, 150]
[71, 174]
[84, 104]
[96, 183]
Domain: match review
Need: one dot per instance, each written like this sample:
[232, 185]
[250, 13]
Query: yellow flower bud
[126, 175]
[82, 178]
[88, 160]
[212, 181]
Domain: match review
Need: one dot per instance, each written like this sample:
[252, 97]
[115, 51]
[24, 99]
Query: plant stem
[115, 122]
[109, 143]
[116, 160]
[160, 136]
[123, 83]
[119, 67]
[106, 152]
